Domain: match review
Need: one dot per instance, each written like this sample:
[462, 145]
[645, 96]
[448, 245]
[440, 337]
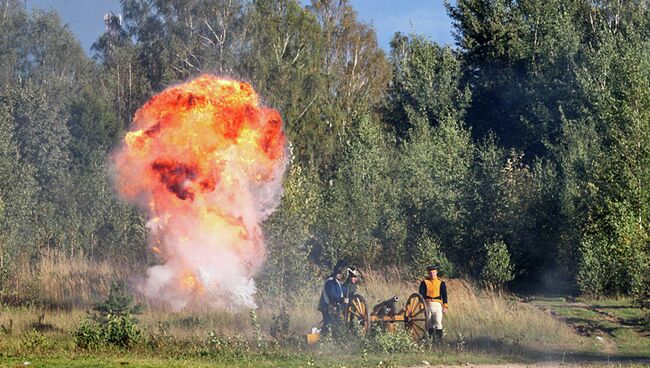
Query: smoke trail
[206, 162]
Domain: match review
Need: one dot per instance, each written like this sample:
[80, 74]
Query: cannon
[386, 308]
[385, 315]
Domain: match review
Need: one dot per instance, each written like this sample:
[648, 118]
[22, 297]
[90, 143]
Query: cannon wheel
[357, 313]
[416, 315]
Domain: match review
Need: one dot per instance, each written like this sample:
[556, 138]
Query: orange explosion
[206, 161]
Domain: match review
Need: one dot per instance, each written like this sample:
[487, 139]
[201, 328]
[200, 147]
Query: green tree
[426, 79]
[616, 84]
[289, 231]
[356, 199]
[426, 252]
[119, 302]
[497, 268]
[283, 56]
[519, 61]
[18, 191]
[354, 69]
[434, 172]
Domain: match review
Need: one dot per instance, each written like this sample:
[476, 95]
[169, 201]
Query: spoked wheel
[356, 314]
[416, 315]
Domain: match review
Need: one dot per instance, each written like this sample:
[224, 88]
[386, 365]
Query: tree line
[519, 156]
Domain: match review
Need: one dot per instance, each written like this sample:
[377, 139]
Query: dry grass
[479, 317]
[66, 287]
[58, 281]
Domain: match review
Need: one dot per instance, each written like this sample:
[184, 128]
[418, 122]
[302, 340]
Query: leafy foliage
[119, 302]
[427, 252]
[113, 324]
[497, 270]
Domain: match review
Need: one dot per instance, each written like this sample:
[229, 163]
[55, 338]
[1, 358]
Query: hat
[433, 267]
[338, 268]
[353, 272]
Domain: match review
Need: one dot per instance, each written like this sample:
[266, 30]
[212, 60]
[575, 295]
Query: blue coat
[332, 294]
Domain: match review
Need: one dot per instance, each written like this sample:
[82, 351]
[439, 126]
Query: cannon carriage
[413, 316]
[385, 316]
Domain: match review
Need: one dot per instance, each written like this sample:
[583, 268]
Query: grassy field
[614, 325]
[39, 317]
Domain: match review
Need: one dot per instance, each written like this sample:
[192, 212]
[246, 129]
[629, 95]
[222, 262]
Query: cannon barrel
[387, 307]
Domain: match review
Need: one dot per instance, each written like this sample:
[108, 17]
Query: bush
[227, 347]
[122, 331]
[88, 335]
[119, 302]
[399, 341]
[113, 324]
[497, 269]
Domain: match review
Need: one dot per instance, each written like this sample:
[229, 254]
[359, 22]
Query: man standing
[331, 299]
[350, 285]
[434, 292]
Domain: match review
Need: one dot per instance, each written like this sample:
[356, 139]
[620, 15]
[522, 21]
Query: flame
[206, 161]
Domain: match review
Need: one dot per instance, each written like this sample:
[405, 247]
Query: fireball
[206, 161]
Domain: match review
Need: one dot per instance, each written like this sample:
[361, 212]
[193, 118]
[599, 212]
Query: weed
[460, 342]
[227, 347]
[280, 324]
[256, 328]
[160, 337]
[395, 342]
[42, 326]
[7, 330]
[190, 321]
[34, 342]
[88, 335]
[122, 331]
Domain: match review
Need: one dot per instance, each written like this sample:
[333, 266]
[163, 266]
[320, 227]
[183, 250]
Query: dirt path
[590, 330]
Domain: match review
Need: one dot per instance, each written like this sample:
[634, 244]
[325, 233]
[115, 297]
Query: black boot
[431, 333]
[439, 334]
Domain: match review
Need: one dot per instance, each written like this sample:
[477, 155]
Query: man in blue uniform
[331, 301]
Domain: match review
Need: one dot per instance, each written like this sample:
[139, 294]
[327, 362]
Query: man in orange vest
[434, 292]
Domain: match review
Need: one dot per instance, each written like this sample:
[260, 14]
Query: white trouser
[435, 315]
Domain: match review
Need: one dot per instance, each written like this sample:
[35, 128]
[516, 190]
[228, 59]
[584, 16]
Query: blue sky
[427, 17]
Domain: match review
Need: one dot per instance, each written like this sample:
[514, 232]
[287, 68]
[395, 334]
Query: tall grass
[475, 316]
[57, 281]
[63, 287]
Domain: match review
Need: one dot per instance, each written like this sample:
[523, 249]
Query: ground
[614, 325]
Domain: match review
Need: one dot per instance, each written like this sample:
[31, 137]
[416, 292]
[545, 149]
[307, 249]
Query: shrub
[88, 335]
[228, 347]
[113, 324]
[34, 342]
[399, 341]
[122, 331]
[497, 269]
[119, 302]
